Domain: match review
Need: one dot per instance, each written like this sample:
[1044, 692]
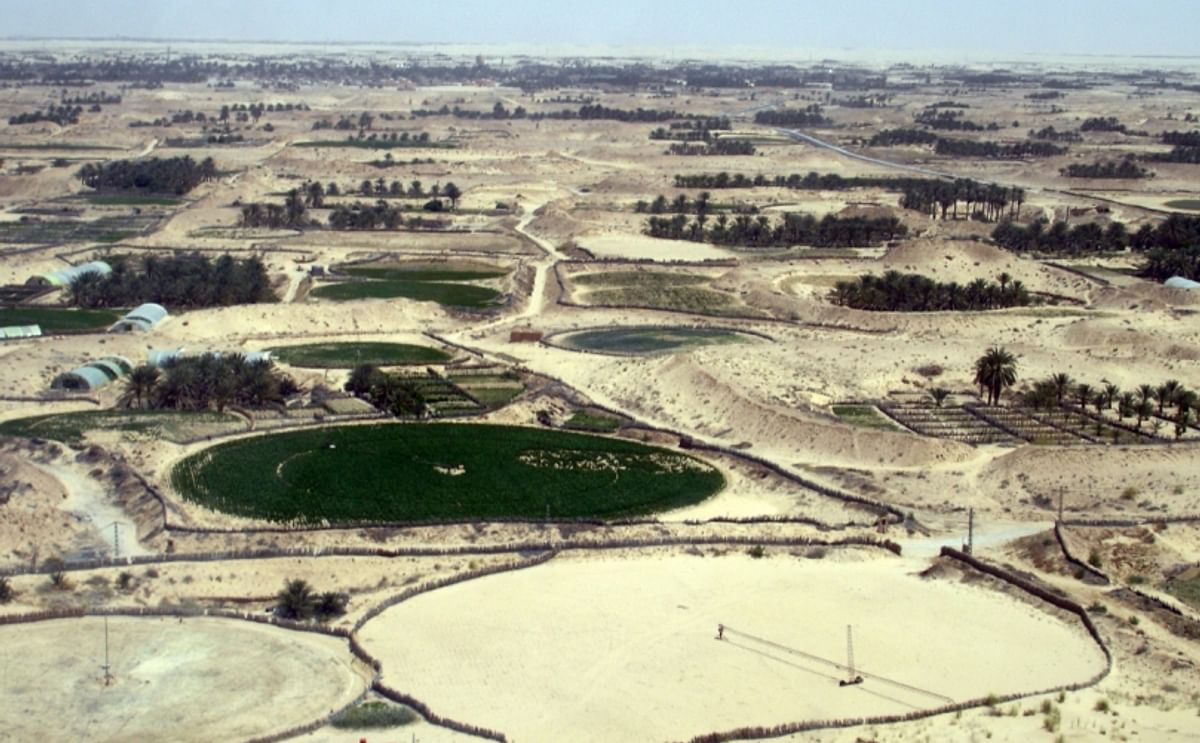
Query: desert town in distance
[400, 392]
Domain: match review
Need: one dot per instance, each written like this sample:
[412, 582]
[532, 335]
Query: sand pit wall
[460, 551]
[754, 733]
[1085, 569]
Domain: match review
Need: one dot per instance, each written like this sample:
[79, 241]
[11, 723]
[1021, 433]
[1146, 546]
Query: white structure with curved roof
[64, 277]
[1178, 282]
[140, 318]
[93, 375]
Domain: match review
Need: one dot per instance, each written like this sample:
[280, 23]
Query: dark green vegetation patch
[170, 425]
[423, 272]
[411, 472]
[1189, 204]
[55, 319]
[647, 340]
[454, 295]
[103, 230]
[348, 355]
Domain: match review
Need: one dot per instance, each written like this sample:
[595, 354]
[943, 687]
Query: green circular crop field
[399, 472]
[641, 340]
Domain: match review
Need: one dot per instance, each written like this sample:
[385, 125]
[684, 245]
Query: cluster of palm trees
[985, 202]
[995, 371]
[178, 281]
[910, 292]
[398, 396]
[1143, 403]
[299, 601]
[207, 382]
[176, 175]
[792, 229]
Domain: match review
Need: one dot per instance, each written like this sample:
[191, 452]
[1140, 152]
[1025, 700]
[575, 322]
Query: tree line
[681, 204]
[932, 196]
[586, 112]
[790, 229]
[1050, 134]
[951, 121]
[714, 148]
[208, 382]
[811, 115]
[691, 131]
[1126, 168]
[911, 292]
[179, 281]
[1178, 154]
[1172, 248]
[965, 147]
[176, 175]
[1143, 403]
[61, 115]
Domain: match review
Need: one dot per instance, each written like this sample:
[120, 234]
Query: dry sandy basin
[625, 650]
[200, 680]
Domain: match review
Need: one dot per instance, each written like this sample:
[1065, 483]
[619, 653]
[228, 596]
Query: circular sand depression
[607, 649]
[642, 340]
[202, 679]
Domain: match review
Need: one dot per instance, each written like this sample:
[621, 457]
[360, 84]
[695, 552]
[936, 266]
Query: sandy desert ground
[617, 646]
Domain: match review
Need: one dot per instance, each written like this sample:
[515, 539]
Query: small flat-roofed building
[64, 277]
[140, 319]
[93, 375]
[20, 331]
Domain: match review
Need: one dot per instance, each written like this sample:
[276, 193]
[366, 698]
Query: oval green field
[396, 472]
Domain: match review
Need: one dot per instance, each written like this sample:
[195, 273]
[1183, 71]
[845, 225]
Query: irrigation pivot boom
[852, 678]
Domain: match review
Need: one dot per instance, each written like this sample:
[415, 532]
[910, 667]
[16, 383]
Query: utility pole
[116, 527]
[1060, 505]
[970, 530]
[108, 678]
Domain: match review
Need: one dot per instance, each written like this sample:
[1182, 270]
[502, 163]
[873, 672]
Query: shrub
[59, 581]
[1094, 558]
[373, 715]
[7, 593]
[125, 580]
[1102, 705]
[756, 551]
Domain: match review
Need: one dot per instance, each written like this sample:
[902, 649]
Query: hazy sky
[1159, 27]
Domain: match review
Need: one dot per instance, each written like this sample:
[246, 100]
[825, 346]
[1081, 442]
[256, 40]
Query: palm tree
[141, 383]
[939, 395]
[1110, 393]
[1145, 393]
[1125, 404]
[1166, 393]
[1062, 383]
[1144, 409]
[297, 600]
[1083, 392]
[995, 371]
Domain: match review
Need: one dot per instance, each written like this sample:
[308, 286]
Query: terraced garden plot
[102, 230]
[59, 319]
[1028, 427]
[1085, 427]
[426, 272]
[349, 355]
[442, 396]
[168, 425]
[642, 340]
[582, 420]
[867, 416]
[427, 472]
[443, 293]
[954, 423]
